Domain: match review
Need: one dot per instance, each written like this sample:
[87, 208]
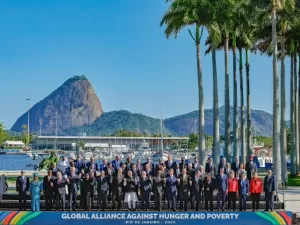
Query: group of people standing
[129, 182]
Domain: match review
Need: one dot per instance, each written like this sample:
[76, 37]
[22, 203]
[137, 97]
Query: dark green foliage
[111, 122]
[47, 162]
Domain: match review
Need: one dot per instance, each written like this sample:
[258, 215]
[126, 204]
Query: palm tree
[198, 13]
[215, 39]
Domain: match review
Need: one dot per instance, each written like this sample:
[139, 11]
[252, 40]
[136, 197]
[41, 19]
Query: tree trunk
[201, 141]
[235, 107]
[216, 122]
[242, 113]
[276, 130]
[298, 106]
[282, 118]
[249, 121]
[296, 124]
[293, 153]
[227, 151]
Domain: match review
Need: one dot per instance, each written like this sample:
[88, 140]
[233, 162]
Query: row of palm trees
[243, 26]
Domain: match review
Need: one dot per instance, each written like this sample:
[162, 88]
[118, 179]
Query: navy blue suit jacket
[221, 183]
[116, 164]
[95, 166]
[243, 186]
[22, 185]
[171, 184]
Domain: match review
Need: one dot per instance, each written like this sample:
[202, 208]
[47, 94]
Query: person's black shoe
[266, 210]
[253, 210]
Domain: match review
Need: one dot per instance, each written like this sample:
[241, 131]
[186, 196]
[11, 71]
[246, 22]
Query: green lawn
[293, 181]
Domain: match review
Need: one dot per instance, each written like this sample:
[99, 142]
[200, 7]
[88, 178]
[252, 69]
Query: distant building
[12, 144]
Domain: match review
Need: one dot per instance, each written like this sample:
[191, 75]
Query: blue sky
[122, 50]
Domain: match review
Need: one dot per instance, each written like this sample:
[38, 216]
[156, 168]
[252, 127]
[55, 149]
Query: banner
[127, 218]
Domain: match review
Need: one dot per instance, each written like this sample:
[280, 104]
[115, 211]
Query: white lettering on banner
[149, 216]
[222, 216]
[197, 216]
[144, 216]
[177, 216]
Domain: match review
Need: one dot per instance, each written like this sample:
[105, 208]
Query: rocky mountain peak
[75, 104]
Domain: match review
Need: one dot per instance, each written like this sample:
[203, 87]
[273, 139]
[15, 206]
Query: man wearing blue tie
[243, 191]
[222, 187]
[171, 187]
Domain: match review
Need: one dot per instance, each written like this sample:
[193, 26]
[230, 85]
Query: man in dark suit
[183, 189]
[103, 166]
[171, 187]
[222, 165]
[209, 187]
[243, 191]
[87, 190]
[145, 189]
[102, 189]
[148, 171]
[196, 184]
[60, 189]
[182, 164]
[158, 186]
[117, 187]
[54, 169]
[195, 163]
[221, 185]
[22, 186]
[210, 167]
[110, 173]
[250, 168]
[48, 188]
[235, 165]
[170, 164]
[269, 189]
[79, 163]
[151, 165]
[74, 180]
[92, 161]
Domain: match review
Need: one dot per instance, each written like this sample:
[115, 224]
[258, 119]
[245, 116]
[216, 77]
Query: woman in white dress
[130, 186]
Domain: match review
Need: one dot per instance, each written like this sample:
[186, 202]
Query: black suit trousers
[196, 196]
[232, 198]
[157, 200]
[184, 196]
[102, 199]
[72, 199]
[208, 198]
[48, 198]
[22, 200]
[116, 197]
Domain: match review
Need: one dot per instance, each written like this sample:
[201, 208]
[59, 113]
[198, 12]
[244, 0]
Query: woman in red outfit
[255, 191]
[232, 190]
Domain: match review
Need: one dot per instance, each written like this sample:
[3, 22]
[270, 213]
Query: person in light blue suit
[171, 188]
[35, 189]
[243, 191]
[222, 188]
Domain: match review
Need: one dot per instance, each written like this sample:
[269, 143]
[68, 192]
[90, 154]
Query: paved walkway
[292, 199]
